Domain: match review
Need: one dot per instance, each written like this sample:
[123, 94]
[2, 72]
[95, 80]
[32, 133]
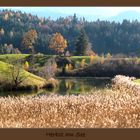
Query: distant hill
[55, 14]
[129, 15]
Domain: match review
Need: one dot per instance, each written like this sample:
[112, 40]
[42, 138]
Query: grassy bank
[79, 58]
[39, 59]
[13, 57]
[30, 80]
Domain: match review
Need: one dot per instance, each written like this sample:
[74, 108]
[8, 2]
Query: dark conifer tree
[81, 44]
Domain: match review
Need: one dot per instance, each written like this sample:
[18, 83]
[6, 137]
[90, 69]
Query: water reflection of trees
[73, 86]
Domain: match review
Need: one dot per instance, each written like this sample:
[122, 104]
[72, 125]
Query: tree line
[98, 36]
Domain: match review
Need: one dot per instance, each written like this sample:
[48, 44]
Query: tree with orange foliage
[29, 39]
[70, 67]
[91, 59]
[58, 43]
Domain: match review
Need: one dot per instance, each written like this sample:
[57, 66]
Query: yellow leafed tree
[70, 67]
[102, 59]
[67, 67]
[91, 59]
[26, 65]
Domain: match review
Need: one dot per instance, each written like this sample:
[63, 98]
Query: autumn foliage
[69, 67]
[26, 65]
[58, 43]
[29, 39]
[91, 59]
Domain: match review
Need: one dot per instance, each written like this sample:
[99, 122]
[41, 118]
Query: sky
[87, 12]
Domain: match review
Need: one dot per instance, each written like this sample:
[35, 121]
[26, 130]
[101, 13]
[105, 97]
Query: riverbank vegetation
[110, 108]
[13, 77]
[78, 66]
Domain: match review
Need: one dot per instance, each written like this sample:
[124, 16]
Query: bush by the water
[109, 68]
[8, 86]
[51, 83]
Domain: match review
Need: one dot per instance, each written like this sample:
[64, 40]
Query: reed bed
[126, 84]
[99, 109]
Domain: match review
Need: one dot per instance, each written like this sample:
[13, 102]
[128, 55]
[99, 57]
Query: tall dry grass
[125, 84]
[109, 109]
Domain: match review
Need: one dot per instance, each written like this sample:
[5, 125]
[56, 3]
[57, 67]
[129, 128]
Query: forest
[103, 36]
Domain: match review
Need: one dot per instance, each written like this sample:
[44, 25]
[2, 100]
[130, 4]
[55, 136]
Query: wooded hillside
[104, 36]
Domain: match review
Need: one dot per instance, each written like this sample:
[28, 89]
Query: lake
[68, 86]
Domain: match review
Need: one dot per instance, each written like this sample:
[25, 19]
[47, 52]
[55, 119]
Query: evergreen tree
[74, 20]
[81, 44]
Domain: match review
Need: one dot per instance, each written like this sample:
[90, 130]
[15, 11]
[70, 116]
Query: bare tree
[16, 73]
[48, 71]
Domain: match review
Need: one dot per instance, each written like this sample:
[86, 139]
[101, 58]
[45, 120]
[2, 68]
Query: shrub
[77, 64]
[83, 63]
[51, 83]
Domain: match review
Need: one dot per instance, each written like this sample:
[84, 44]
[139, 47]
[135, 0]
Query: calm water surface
[68, 86]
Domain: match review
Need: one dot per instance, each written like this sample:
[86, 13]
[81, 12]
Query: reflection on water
[82, 85]
[67, 86]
